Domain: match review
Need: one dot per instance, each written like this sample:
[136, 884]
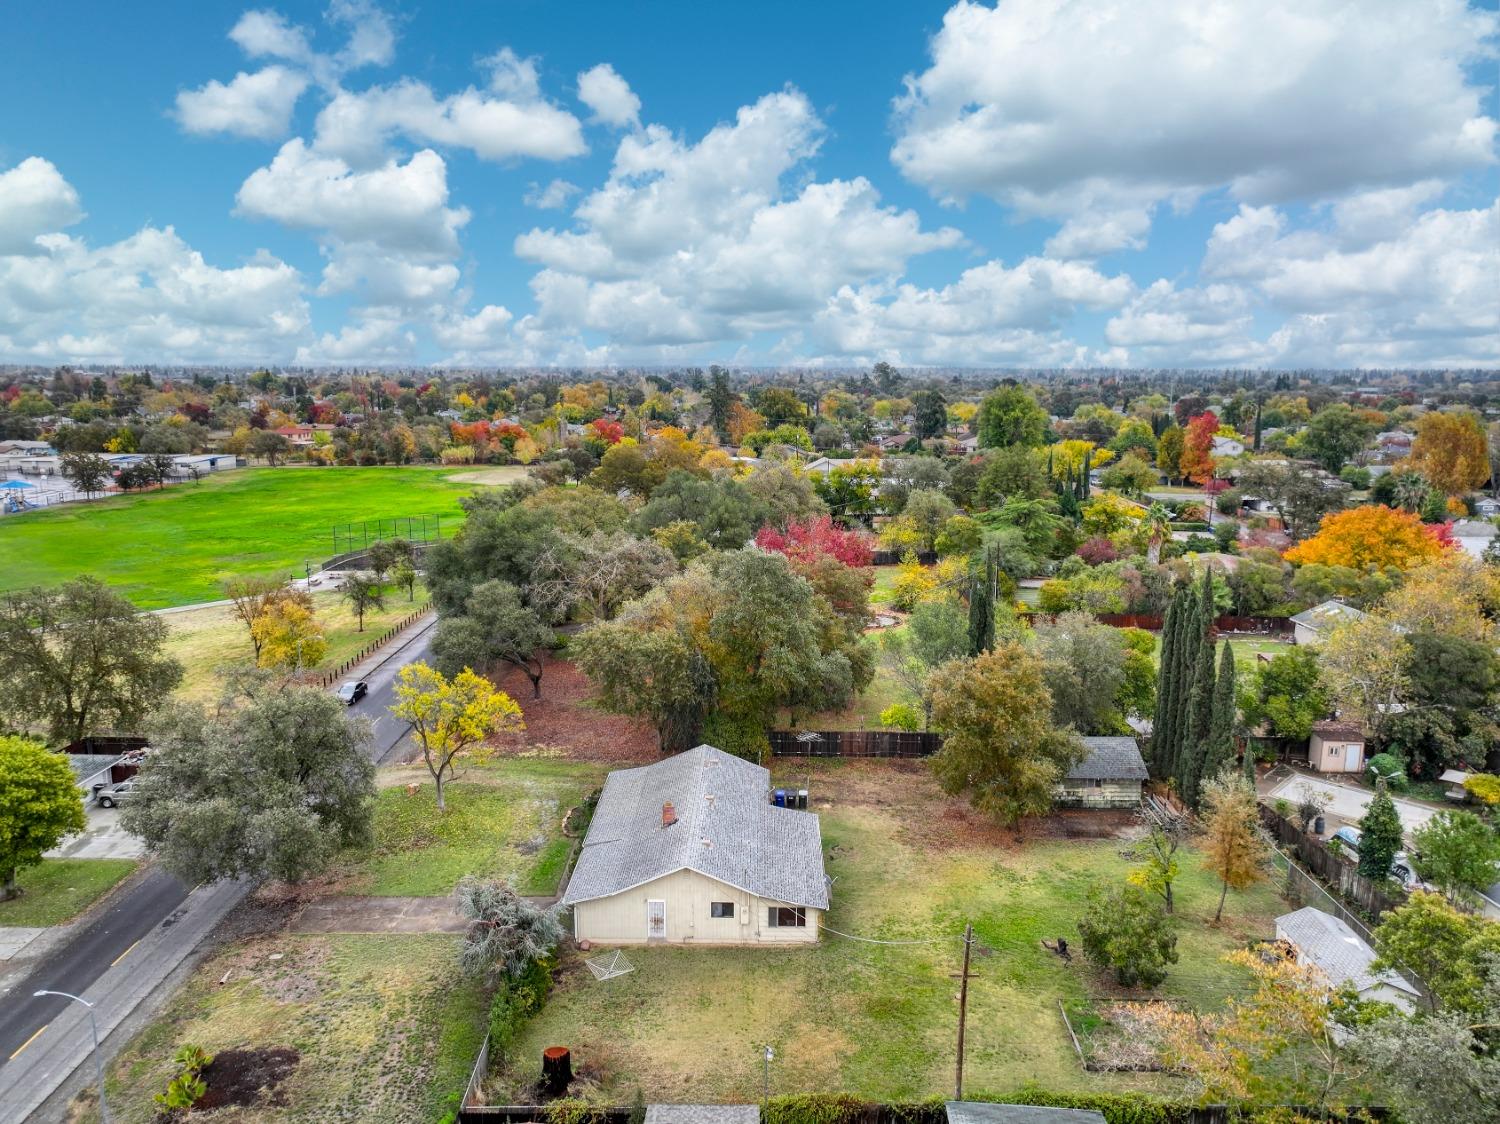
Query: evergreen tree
[1256, 446]
[1221, 729]
[1190, 640]
[983, 587]
[1380, 837]
[1200, 707]
[1166, 685]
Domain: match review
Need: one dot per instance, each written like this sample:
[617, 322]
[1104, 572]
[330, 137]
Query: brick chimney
[668, 814]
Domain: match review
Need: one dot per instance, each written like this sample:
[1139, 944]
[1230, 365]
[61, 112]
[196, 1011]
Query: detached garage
[690, 850]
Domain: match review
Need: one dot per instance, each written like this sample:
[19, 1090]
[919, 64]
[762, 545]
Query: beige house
[1336, 747]
[690, 850]
[1109, 777]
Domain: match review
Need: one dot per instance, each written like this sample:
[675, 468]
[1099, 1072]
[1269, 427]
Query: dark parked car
[352, 691]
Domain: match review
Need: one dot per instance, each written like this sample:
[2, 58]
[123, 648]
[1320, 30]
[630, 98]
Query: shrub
[1484, 787]
[186, 1088]
[1097, 550]
[1054, 596]
[742, 737]
[1388, 767]
[516, 1000]
[901, 716]
[1128, 932]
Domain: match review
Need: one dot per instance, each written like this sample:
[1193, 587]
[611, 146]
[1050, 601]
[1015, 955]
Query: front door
[656, 921]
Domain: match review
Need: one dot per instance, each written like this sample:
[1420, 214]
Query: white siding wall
[621, 919]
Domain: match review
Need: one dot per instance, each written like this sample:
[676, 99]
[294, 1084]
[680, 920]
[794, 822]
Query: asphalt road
[388, 732]
[156, 898]
[85, 958]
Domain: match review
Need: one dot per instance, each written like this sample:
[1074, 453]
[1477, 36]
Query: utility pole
[963, 1011]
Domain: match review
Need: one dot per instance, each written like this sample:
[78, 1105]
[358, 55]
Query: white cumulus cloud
[34, 200]
[609, 96]
[1095, 113]
[256, 105]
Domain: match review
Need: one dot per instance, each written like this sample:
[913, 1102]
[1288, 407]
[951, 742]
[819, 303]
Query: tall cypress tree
[1221, 731]
[1200, 721]
[1189, 640]
[982, 589]
[1161, 725]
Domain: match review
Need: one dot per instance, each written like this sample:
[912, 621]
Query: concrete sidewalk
[35, 1071]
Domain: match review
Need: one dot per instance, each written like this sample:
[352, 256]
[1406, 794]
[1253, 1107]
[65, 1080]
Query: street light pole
[98, 1059]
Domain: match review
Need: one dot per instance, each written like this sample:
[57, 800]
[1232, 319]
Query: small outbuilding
[1336, 747]
[1312, 626]
[690, 850]
[1109, 777]
[1343, 957]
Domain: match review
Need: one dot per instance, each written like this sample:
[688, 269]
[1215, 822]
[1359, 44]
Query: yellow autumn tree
[452, 718]
[287, 636]
[1451, 452]
[1373, 535]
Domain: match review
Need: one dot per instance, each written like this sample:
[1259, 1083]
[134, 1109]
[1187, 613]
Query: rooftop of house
[703, 810]
[1336, 950]
[1110, 759]
[983, 1112]
[1327, 615]
[1334, 728]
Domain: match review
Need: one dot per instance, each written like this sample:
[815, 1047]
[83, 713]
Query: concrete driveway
[104, 838]
[1348, 803]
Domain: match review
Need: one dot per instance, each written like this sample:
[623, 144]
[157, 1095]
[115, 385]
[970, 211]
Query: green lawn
[878, 1020]
[209, 640]
[504, 820]
[175, 546]
[386, 1027]
[59, 889]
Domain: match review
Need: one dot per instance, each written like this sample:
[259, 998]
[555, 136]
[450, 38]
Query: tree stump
[557, 1070]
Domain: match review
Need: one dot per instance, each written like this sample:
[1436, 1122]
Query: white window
[721, 909]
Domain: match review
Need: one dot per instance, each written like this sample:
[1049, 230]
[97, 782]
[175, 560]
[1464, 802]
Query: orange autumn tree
[1373, 535]
[1197, 462]
[1451, 452]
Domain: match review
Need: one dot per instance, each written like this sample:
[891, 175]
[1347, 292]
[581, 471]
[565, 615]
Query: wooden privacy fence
[928, 1112]
[329, 677]
[1372, 897]
[853, 743]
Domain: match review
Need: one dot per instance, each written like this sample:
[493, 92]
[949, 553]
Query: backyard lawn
[878, 1020]
[210, 639]
[504, 820]
[176, 545]
[58, 889]
[381, 1028]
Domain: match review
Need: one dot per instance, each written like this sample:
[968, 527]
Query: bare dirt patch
[564, 722]
[246, 1078]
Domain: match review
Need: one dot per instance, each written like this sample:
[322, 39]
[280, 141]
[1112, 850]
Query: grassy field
[209, 640]
[59, 889]
[878, 1020]
[503, 820]
[175, 546]
[386, 1028]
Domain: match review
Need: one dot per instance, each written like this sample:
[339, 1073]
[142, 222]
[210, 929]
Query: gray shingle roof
[775, 853]
[1327, 615]
[1110, 759]
[1336, 950]
[981, 1112]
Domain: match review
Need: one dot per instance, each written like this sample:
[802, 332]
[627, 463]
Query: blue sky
[1109, 182]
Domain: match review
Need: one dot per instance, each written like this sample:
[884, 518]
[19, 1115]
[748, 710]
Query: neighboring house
[187, 463]
[1454, 779]
[298, 436]
[1109, 777]
[983, 1112]
[822, 466]
[1487, 507]
[1473, 535]
[691, 850]
[1227, 447]
[1326, 943]
[1336, 747]
[1312, 626]
[27, 449]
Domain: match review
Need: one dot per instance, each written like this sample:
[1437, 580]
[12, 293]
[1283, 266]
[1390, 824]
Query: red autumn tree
[809, 539]
[610, 432]
[1197, 462]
